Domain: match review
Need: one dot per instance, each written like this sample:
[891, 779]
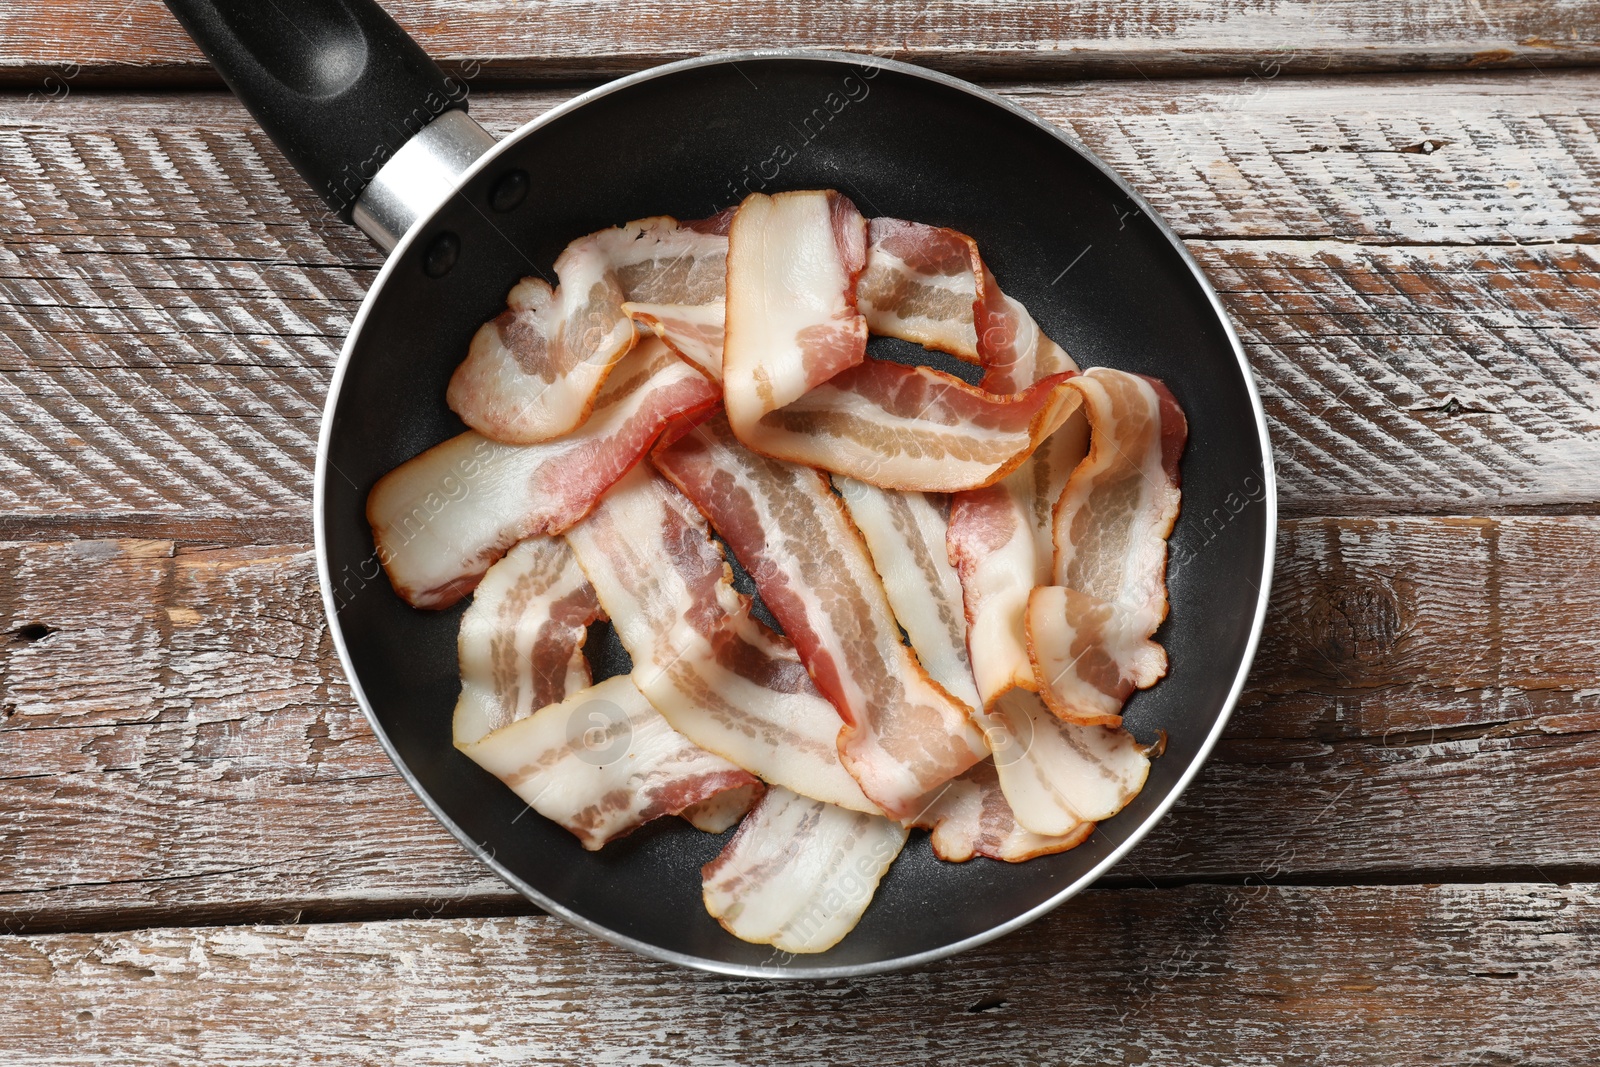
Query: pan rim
[791, 972]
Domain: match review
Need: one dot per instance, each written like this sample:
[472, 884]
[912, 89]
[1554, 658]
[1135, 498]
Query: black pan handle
[337, 84]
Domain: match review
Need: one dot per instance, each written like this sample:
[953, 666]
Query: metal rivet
[509, 191]
[441, 255]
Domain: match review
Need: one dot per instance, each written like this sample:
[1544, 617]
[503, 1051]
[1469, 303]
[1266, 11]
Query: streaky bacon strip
[535, 371]
[717, 674]
[1089, 634]
[799, 873]
[905, 536]
[921, 285]
[991, 543]
[798, 386]
[716, 814]
[1057, 775]
[970, 816]
[1039, 763]
[604, 762]
[439, 520]
[521, 642]
[903, 733]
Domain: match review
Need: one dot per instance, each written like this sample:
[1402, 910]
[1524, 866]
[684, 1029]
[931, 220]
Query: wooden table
[1391, 858]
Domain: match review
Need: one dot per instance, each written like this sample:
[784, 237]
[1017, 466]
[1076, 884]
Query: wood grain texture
[138, 42]
[1450, 974]
[171, 302]
[177, 743]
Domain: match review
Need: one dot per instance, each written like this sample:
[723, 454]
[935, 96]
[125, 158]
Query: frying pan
[375, 127]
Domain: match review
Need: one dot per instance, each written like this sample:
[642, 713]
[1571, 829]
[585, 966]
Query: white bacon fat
[797, 383]
[799, 873]
[970, 816]
[521, 641]
[535, 371]
[718, 675]
[604, 762]
[1089, 634]
[441, 519]
[903, 733]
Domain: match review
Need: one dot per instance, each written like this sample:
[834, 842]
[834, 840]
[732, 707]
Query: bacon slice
[718, 675]
[535, 371]
[992, 545]
[439, 520]
[603, 762]
[921, 285]
[970, 816]
[694, 331]
[715, 815]
[1089, 634]
[797, 383]
[521, 641]
[905, 535]
[903, 733]
[799, 873]
[1056, 774]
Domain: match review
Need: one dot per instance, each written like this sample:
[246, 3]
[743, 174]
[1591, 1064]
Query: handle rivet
[509, 191]
[441, 254]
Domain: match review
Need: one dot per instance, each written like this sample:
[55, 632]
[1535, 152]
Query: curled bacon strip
[1089, 634]
[535, 371]
[441, 519]
[797, 383]
[903, 733]
[603, 762]
[971, 816]
[521, 641]
[718, 675]
[799, 873]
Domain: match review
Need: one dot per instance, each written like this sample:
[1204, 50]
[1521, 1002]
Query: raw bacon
[797, 383]
[1089, 633]
[521, 641]
[905, 535]
[535, 371]
[921, 285]
[799, 873]
[718, 675]
[903, 734]
[603, 762]
[441, 519]
[970, 816]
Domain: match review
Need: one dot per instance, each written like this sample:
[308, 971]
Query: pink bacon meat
[535, 371]
[1089, 633]
[441, 519]
[521, 642]
[797, 383]
[718, 675]
[903, 733]
[603, 762]
[799, 873]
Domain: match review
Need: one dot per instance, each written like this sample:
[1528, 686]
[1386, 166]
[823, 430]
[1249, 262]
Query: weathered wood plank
[1452, 974]
[138, 42]
[177, 743]
[171, 302]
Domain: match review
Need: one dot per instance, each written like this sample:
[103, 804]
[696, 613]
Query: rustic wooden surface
[205, 856]
[136, 42]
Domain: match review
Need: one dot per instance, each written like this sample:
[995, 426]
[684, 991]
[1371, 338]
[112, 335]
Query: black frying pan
[342, 90]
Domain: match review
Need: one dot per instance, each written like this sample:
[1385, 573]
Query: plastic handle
[337, 84]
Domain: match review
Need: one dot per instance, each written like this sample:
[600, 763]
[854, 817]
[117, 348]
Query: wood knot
[1357, 621]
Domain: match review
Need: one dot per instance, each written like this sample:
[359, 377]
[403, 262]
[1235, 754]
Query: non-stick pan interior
[1101, 276]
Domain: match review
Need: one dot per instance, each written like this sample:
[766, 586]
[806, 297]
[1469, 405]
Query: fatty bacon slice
[521, 641]
[1056, 777]
[798, 386]
[928, 284]
[970, 816]
[1089, 633]
[799, 873]
[604, 762]
[718, 675]
[1000, 539]
[903, 734]
[439, 520]
[535, 371]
